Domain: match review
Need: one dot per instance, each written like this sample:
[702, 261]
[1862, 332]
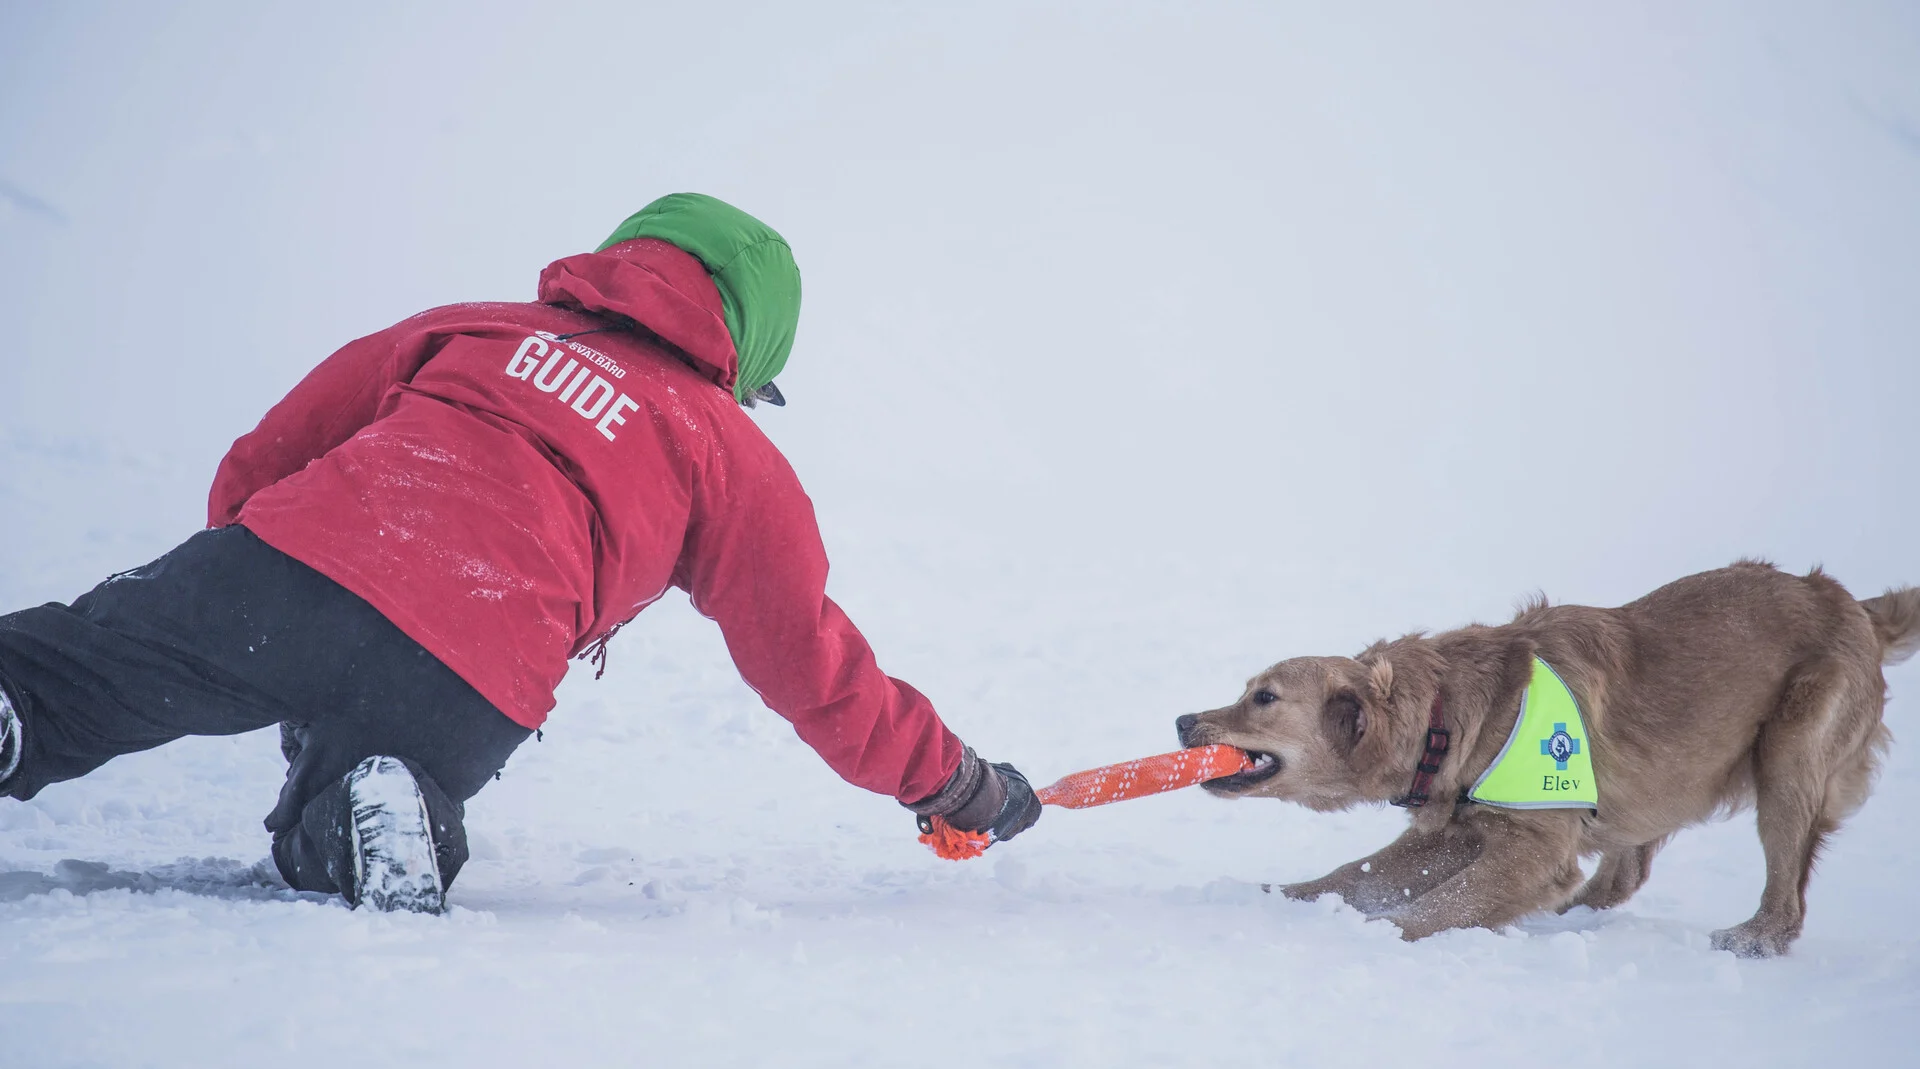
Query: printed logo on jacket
[573, 383]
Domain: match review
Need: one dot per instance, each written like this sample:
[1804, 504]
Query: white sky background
[1376, 319]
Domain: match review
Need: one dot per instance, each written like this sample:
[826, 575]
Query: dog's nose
[1184, 725]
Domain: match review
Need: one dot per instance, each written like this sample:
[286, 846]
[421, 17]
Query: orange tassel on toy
[950, 842]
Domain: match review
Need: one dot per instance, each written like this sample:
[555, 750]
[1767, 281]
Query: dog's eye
[1265, 697]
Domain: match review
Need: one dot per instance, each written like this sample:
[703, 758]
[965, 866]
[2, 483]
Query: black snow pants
[226, 634]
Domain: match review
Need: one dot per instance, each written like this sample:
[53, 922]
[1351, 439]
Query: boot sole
[13, 737]
[394, 864]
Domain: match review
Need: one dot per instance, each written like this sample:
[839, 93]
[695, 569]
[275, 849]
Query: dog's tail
[1896, 619]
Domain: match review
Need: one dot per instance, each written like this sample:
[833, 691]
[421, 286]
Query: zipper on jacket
[583, 333]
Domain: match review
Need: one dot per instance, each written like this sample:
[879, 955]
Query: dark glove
[983, 797]
[1020, 811]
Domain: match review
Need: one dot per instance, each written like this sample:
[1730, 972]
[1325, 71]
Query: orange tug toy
[1100, 786]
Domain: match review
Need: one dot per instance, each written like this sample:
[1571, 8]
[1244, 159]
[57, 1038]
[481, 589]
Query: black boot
[384, 835]
[13, 736]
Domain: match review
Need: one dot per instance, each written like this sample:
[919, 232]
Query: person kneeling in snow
[404, 554]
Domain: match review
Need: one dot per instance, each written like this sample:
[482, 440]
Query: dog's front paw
[1301, 892]
[1756, 938]
[1371, 902]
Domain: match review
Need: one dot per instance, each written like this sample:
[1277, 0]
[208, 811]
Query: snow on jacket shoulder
[507, 490]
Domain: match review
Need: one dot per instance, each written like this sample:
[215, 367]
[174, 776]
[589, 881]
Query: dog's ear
[1344, 719]
[1359, 719]
[1380, 680]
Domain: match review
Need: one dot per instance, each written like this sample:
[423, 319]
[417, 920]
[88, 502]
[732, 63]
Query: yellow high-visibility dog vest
[1547, 762]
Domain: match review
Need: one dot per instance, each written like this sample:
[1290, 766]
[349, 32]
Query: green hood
[750, 263]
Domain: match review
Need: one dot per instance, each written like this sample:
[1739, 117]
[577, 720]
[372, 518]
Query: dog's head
[1320, 730]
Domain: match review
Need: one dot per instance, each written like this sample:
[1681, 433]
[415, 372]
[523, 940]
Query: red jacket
[509, 496]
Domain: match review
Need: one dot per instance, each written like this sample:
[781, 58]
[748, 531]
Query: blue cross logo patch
[1559, 746]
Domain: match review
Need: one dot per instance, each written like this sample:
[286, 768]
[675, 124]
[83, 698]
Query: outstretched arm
[754, 563]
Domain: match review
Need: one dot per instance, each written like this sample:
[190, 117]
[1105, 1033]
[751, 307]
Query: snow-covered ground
[1142, 348]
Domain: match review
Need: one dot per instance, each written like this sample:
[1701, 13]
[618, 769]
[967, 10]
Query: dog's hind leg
[1619, 875]
[1812, 765]
[1852, 779]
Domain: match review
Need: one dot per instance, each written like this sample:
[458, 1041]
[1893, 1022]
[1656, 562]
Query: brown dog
[1736, 687]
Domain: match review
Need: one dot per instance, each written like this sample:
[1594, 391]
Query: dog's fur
[1736, 687]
